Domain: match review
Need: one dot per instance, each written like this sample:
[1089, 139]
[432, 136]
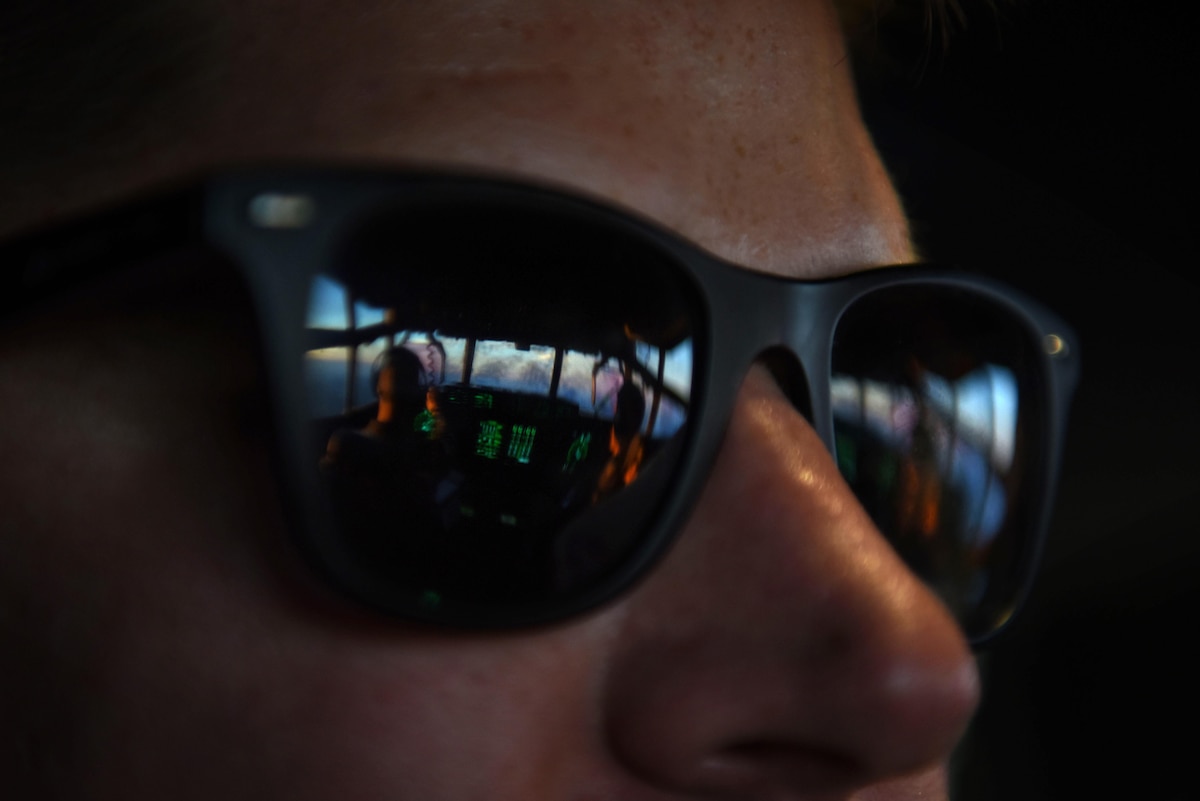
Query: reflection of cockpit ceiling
[489, 274]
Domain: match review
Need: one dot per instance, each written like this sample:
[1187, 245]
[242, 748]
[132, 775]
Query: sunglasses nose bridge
[798, 357]
[782, 327]
[789, 374]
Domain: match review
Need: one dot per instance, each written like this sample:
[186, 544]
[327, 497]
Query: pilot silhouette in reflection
[402, 399]
[625, 446]
[382, 472]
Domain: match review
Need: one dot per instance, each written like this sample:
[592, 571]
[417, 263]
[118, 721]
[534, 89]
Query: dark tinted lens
[936, 397]
[498, 399]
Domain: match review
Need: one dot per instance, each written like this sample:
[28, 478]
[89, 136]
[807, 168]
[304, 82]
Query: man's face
[169, 644]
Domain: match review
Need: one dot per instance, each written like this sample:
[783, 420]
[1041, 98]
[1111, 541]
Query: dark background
[1051, 144]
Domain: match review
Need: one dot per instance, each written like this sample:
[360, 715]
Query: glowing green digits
[491, 434]
[521, 444]
[577, 451]
[424, 422]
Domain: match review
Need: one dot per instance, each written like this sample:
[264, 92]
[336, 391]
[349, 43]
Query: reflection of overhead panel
[578, 285]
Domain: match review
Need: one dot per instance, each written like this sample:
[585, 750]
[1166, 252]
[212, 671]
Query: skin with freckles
[170, 644]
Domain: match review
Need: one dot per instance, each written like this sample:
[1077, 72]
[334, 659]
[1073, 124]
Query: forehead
[734, 124]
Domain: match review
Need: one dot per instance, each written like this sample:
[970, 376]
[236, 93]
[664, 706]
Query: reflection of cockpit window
[978, 411]
[553, 369]
[931, 460]
[509, 365]
[328, 307]
[339, 374]
[961, 434]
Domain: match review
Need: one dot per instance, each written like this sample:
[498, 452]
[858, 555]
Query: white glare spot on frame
[278, 210]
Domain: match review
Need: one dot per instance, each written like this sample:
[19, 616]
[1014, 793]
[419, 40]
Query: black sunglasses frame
[281, 226]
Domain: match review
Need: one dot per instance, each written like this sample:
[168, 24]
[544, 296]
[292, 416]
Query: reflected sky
[496, 364]
[327, 307]
[963, 430]
[980, 407]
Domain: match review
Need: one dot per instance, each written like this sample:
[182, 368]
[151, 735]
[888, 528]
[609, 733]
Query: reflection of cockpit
[930, 459]
[519, 414]
[472, 427]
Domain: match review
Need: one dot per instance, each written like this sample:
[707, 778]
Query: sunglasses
[496, 404]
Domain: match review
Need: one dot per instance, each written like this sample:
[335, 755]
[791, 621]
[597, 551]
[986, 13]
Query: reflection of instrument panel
[510, 481]
[519, 454]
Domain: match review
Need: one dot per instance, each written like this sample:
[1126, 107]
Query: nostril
[765, 751]
[780, 764]
[756, 750]
[789, 376]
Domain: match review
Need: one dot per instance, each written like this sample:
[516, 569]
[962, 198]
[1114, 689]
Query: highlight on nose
[836, 669]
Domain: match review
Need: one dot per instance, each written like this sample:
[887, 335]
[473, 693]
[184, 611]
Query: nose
[782, 649]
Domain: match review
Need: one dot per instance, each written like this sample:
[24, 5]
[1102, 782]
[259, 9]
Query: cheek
[237, 694]
[171, 642]
[931, 784]
[125, 456]
[131, 539]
